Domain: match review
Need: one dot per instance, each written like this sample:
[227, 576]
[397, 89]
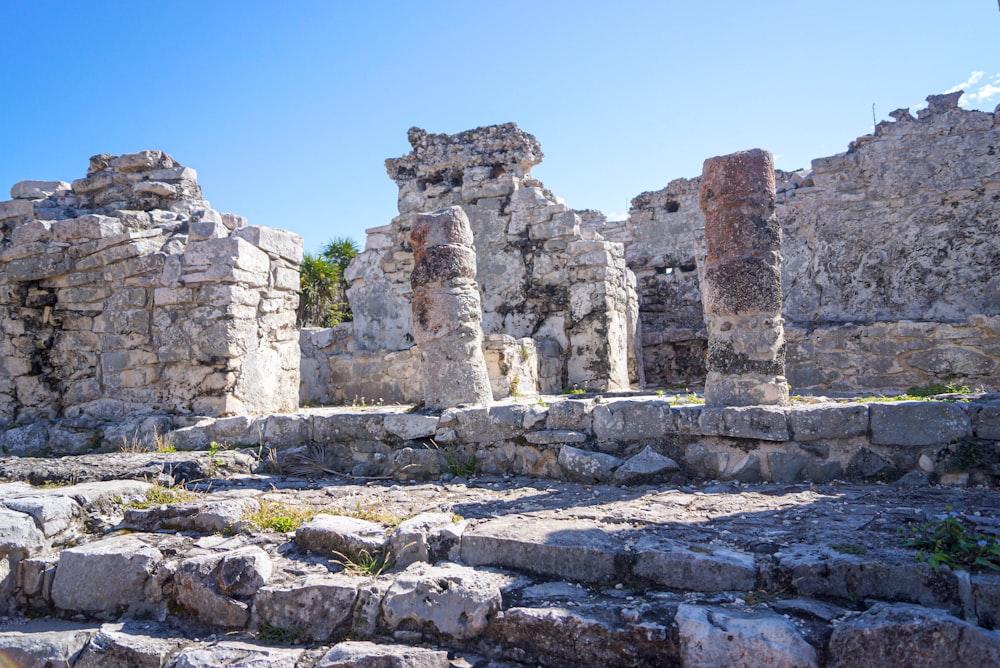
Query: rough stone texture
[212, 585]
[108, 575]
[447, 315]
[42, 649]
[512, 366]
[127, 294]
[910, 635]
[724, 638]
[698, 567]
[411, 541]
[888, 260]
[538, 274]
[318, 607]
[236, 654]
[742, 282]
[586, 466]
[358, 653]
[340, 536]
[918, 423]
[457, 601]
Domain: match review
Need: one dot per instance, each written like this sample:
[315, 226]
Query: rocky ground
[106, 567]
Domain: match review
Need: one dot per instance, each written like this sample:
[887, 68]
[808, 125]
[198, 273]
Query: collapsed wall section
[125, 294]
[899, 231]
[540, 274]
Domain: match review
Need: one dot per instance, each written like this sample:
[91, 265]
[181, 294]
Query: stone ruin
[128, 304]
[558, 302]
[125, 297]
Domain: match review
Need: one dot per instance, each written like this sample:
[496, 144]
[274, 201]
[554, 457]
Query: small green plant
[850, 548]
[371, 511]
[367, 563]
[279, 517]
[703, 549]
[969, 454]
[576, 389]
[523, 353]
[460, 468]
[688, 399]
[158, 495]
[933, 389]
[660, 393]
[515, 384]
[948, 540]
[542, 403]
[136, 443]
[269, 634]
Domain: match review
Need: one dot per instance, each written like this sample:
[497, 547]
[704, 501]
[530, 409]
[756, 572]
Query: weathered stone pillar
[741, 288]
[447, 315]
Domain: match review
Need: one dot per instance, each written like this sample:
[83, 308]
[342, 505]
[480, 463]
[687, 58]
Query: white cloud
[973, 79]
[987, 92]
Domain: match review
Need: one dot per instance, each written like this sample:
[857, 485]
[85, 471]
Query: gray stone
[408, 427]
[745, 469]
[986, 421]
[338, 535]
[786, 466]
[357, 653]
[913, 479]
[200, 516]
[128, 645]
[54, 514]
[918, 423]
[866, 464]
[645, 467]
[318, 607]
[455, 600]
[414, 464]
[48, 648]
[237, 655]
[688, 567]
[629, 420]
[713, 637]
[409, 541]
[572, 549]
[105, 576]
[757, 422]
[209, 585]
[831, 421]
[901, 634]
[586, 466]
[18, 532]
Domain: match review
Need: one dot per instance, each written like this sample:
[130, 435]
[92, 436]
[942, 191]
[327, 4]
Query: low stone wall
[638, 439]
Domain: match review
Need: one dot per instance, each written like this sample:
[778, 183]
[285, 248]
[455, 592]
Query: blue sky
[288, 110]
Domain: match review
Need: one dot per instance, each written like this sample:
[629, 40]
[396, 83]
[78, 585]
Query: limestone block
[339, 535]
[910, 635]
[105, 576]
[236, 654]
[577, 550]
[318, 607]
[211, 585]
[410, 426]
[917, 423]
[30, 648]
[713, 637]
[817, 423]
[586, 466]
[454, 600]
[759, 422]
[410, 540]
[17, 208]
[414, 464]
[284, 244]
[125, 645]
[626, 420]
[574, 414]
[18, 533]
[37, 189]
[679, 565]
[157, 188]
[645, 467]
[986, 421]
[54, 514]
[363, 653]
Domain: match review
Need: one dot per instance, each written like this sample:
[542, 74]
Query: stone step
[517, 571]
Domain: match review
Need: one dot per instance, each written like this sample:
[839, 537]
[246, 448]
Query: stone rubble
[541, 573]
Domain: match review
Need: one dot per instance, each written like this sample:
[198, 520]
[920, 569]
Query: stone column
[741, 287]
[447, 315]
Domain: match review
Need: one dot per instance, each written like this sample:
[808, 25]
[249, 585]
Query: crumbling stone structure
[447, 316]
[889, 260]
[742, 283]
[540, 274]
[124, 294]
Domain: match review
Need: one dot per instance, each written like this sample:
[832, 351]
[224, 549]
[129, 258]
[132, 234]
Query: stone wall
[902, 227]
[540, 275]
[125, 294]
